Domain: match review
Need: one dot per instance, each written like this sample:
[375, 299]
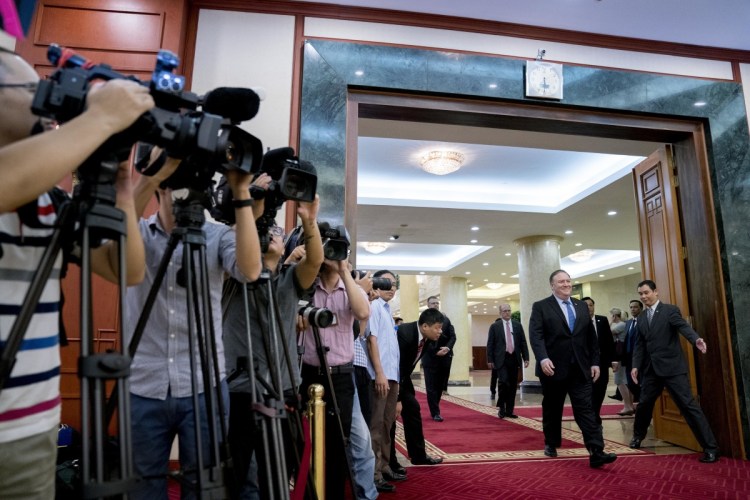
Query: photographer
[161, 375]
[336, 290]
[30, 166]
[290, 282]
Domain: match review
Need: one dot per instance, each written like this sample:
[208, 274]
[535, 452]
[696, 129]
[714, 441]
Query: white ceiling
[517, 184]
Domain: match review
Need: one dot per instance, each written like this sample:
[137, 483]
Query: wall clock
[544, 80]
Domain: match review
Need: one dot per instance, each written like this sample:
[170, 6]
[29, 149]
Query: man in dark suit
[506, 350]
[659, 362]
[631, 327]
[564, 343]
[436, 362]
[606, 358]
[414, 339]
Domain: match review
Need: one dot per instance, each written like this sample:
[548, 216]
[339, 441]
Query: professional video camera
[378, 283]
[293, 179]
[335, 241]
[207, 139]
[318, 316]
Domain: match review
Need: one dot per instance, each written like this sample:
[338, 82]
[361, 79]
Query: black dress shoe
[511, 415]
[384, 487]
[437, 418]
[427, 460]
[709, 457]
[500, 414]
[599, 458]
[394, 476]
[616, 397]
[398, 468]
[550, 451]
[492, 395]
[635, 443]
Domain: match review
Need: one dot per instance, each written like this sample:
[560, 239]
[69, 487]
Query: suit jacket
[496, 343]
[658, 343]
[606, 342]
[630, 338]
[447, 339]
[551, 338]
[408, 344]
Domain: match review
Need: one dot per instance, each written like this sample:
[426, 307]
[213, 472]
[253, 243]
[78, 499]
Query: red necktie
[420, 346]
[508, 338]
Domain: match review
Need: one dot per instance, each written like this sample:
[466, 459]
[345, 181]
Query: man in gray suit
[506, 351]
[659, 361]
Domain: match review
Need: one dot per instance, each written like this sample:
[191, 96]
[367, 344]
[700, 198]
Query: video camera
[208, 139]
[378, 283]
[292, 179]
[335, 241]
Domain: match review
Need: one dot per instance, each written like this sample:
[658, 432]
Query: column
[453, 303]
[408, 295]
[538, 257]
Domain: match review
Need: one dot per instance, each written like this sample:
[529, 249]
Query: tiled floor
[619, 430]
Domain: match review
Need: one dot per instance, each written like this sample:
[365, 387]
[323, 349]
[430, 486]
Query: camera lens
[319, 317]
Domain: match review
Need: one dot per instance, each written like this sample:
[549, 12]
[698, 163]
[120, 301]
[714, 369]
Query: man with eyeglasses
[291, 280]
[506, 351]
[30, 402]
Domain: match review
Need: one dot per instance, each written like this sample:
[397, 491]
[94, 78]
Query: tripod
[92, 208]
[259, 359]
[208, 478]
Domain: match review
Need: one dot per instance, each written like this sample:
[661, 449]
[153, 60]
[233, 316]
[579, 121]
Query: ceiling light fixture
[441, 162]
[375, 247]
[582, 256]
[494, 286]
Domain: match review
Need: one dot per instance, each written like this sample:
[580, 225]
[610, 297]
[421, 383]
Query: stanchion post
[316, 412]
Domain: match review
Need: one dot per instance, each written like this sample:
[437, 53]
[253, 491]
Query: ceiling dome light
[375, 247]
[582, 256]
[441, 162]
[494, 286]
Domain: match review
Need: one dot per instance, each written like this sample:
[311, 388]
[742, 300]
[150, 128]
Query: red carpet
[472, 432]
[609, 411]
[629, 478]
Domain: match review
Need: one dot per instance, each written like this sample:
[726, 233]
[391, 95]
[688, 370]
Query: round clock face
[544, 80]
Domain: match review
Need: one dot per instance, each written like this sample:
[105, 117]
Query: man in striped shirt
[31, 166]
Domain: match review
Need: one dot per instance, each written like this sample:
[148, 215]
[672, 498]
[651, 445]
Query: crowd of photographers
[269, 349]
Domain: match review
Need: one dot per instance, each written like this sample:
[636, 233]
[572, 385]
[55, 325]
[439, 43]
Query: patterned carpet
[482, 437]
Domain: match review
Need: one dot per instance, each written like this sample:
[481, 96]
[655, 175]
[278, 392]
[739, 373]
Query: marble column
[408, 294]
[453, 303]
[538, 257]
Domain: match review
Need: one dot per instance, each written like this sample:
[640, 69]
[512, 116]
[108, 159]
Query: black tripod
[92, 210]
[267, 397]
[209, 479]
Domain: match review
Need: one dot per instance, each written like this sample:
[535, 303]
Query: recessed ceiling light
[467, 272]
[579, 244]
[473, 241]
[503, 274]
[508, 254]
[601, 275]
[569, 231]
[475, 228]
[485, 263]
[359, 72]
[630, 268]
[699, 104]
[485, 280]
[493, 85]
[612, 212]
[421, 272]
[735, 254]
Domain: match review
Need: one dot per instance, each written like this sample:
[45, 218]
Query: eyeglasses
[276, 231]
[30, 86]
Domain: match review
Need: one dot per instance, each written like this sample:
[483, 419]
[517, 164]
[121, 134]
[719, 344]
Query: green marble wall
[329, 70]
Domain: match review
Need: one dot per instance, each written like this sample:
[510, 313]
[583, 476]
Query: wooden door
[662, 257]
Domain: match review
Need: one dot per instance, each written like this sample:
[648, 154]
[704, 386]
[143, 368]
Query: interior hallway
[619, 430]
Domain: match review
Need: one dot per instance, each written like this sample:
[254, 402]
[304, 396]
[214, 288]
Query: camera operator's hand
[263, 181]
[308, 268]
[118, 103]
[149, 181]
[365, 282]
[296, 256]
[248, 244]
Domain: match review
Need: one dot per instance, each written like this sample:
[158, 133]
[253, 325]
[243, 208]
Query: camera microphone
[236, 103]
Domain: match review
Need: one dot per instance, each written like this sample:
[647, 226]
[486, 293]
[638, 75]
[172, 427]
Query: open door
[662, 257]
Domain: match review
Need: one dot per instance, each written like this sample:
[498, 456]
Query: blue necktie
[571, 316]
